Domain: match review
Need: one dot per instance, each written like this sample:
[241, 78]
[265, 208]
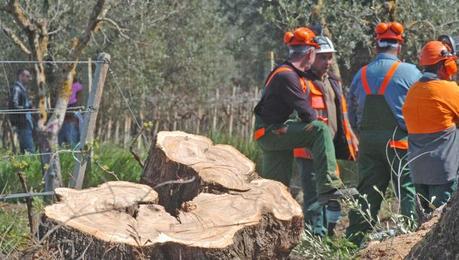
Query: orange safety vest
[260, 132]
[317, 100]
[399, 144]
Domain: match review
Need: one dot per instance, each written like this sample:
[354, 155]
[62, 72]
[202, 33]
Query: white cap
[326, 46]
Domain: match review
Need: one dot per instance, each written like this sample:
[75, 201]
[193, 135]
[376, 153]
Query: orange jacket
[431, 106]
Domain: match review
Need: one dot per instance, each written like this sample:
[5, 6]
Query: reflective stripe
[277, 71]
[302, 153]
[386, 80]
[388, 77]
[366, 87]
[259, 133]
[400, 144]
[304, 83]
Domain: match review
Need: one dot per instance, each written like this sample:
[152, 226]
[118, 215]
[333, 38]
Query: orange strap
[259, 133]
[302, 153]
[388, 77]
[386, 80]
[400, 144]
[366, 87]
[277, 71]
[304, 83]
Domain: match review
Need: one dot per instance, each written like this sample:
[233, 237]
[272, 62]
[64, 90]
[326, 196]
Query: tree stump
[180, 156]
[234, 215]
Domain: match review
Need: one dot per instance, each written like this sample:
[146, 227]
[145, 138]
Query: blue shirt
[405, 75]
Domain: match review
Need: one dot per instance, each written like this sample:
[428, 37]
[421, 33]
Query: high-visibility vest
[399, 144]
[317, 100]
[260, 132]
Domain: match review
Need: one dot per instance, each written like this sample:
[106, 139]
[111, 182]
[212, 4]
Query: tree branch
[118, 28]
[14, 8]
[15, 39]
[95, 19]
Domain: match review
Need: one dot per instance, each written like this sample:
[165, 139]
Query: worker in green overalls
[285, 92]
[375, 101]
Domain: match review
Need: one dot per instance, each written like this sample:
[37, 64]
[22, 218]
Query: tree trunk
[442, 242]
[223, 214]
[117, 132]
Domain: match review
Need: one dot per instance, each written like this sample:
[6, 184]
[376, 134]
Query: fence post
[89, 122]
[230, 108]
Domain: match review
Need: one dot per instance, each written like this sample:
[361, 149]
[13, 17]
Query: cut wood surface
[178, 155]
[264, 222]
[227, 212]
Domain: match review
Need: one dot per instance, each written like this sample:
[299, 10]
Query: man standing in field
[22, 120]
[376, 98]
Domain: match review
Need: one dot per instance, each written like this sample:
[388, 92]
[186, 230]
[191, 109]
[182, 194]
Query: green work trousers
[378, 164]
[434, 196]
[321, 219]
[278, 152]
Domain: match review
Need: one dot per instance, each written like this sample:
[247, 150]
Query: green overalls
[382, 153]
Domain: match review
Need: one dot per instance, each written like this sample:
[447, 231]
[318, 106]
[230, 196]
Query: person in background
[22, 121]
[70, 131]
[431, 112]
[327, 99]
[375, 102]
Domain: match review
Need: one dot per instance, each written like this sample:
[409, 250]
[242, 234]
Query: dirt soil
[397, 247]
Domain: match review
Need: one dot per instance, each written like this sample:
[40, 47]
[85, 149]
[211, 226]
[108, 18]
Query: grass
[313, 247]
[109, 162]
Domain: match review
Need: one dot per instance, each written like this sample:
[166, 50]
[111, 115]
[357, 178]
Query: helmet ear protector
[450, 65]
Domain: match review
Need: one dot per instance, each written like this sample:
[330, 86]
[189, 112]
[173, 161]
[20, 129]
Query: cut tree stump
[232, 215]
[178, 155]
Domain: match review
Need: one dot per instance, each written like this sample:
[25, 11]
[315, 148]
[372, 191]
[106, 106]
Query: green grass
[313, 247]
[109, 162]
[14, 228]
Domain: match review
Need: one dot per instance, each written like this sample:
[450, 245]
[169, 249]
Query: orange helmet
[434, 52]
[389, 31]
[301, 36]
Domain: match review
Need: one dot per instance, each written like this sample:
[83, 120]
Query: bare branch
[14, 8]
[95, 19]
[15, 39]
[55, 31]
[118, 28]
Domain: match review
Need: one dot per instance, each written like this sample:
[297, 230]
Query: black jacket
[19, 99]
[283, 95]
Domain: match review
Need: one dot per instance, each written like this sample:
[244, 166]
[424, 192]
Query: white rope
[50, 62]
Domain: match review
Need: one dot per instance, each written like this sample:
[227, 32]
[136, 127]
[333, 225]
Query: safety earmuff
[381, 28]
[450, 66]
[299, 34]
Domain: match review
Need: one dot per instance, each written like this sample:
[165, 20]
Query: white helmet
[326, 46]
